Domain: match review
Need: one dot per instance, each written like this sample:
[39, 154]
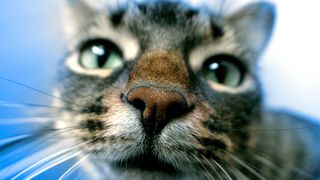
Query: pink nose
[157, 107]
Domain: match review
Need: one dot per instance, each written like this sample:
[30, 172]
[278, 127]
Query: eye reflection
[98, 50]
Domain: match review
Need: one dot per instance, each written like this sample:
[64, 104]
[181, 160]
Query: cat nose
[157, 107]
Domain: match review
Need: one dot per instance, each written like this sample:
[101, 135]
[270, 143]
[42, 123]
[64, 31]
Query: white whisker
[302, 172]
[13, 139]
[207, 173]
[239, 174]
[27, 105]
[246, 166]
[73, 168]
[41, 162]
[213, 168]
[4, 104]
[266, 162]
[224, 171]
[95, 170]
[15, 121]
[54, 163]
[20, 165]
[187, 159]
[38, 91]
[48, 158]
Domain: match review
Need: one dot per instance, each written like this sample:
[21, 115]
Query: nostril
[122, 97]
[138, 103]
[176, 109]
[157, 107]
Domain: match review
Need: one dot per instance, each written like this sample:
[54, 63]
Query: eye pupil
[101, 55]
[219, 70]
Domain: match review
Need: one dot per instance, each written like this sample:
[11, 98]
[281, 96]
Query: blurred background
[32, 43]
[290, 66]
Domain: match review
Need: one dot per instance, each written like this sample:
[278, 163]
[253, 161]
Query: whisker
[302, 173]
[266, 162]
[232, 174]
[42, 161]
[48, 136]
[282, 129]
[46, 159]
[239, 174]
[37, 90]
[51, 135]
[54, 163]
[20, 164]
[213, 168]
[275, 168]
[207, 173]
[73, 168]
[223, 170]
[13, 139]
[243, 164]
[27, 105]
[33, 136]
[14, 121]
[222, 8]
[267, 130]
[190, 164]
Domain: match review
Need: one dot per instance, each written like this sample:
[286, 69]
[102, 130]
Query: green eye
[223, 69]
[100, 54]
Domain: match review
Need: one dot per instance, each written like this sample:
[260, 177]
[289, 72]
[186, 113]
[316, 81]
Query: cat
[166, 90]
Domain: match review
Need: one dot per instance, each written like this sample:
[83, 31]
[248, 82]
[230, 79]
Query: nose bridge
[158, 87]
[160, 68]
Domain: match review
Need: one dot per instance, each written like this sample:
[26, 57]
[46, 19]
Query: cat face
[163, 87]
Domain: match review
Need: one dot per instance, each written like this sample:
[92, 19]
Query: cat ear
[77, 13]
[253, 25]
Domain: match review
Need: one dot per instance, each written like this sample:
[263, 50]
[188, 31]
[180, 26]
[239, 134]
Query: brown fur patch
[211, 144]
[162, 68]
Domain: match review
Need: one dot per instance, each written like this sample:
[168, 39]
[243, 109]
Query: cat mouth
[146, 162]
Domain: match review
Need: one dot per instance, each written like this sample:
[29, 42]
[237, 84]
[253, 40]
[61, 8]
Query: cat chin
[138, 174]
[150, 172]
[106, 170]
[143, 163]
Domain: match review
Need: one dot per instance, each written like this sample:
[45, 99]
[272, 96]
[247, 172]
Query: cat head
[153, 85]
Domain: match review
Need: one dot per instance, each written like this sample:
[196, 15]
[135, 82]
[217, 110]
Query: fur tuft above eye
[224, 69]
[100, 54]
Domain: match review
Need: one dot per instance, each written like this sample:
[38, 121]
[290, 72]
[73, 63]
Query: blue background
[31, 45]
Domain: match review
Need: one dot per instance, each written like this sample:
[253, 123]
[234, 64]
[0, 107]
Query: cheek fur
[189, 136]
